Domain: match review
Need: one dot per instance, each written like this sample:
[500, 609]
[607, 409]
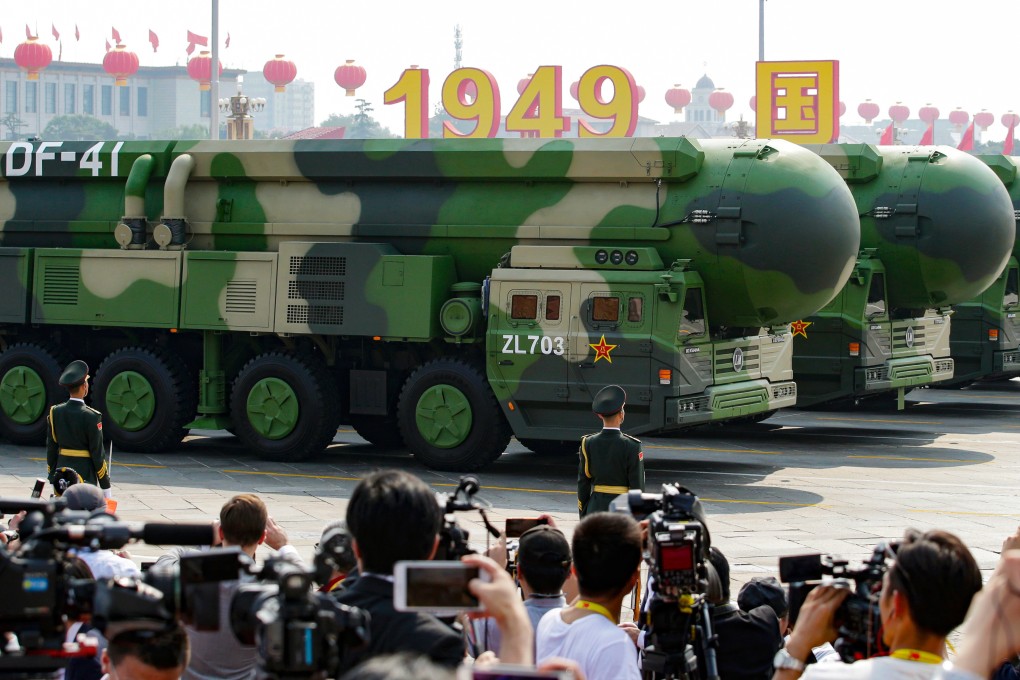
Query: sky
[911, 51]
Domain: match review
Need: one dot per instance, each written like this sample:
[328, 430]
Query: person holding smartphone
[610, 463]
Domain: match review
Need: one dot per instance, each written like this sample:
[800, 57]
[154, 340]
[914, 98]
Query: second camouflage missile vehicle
[442, 294]
[985, 337]
[936, 229]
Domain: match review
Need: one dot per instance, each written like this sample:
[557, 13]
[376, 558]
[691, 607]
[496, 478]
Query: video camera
[678, 624]
[453, 539]
[857, 619]
[41, 596]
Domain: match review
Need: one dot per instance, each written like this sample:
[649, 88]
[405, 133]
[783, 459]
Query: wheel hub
[22, 395]
[130, 400]
[443, 416]
[272, 408]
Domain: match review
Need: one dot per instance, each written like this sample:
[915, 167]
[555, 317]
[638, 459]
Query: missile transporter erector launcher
[441, 294]
[985, 337]
[936, 229]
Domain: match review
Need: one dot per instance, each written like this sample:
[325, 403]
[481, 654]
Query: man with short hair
[607, 556]
[394, 516]
[217, 655]
[610, 462]
[74, 438]
[767, 591]
[926, 592]
[147, 655]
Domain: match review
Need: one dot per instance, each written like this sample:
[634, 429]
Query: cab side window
[692, 321]
[552, 308]
[876, 296]
[1012, 296]
[524, 307]
[605, 309]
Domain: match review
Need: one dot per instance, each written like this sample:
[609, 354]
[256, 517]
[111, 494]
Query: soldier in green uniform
[74, 438]
[611, 462]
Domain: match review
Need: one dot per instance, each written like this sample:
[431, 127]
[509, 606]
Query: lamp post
[240, 124]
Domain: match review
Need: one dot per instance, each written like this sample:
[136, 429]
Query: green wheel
[28, 385]
[146, 397]
[449, 417]
[284, 406]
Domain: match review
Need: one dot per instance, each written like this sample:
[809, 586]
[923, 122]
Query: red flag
[28, 33]
[887, 136]
[228, 40]
[77, 35]
[56, 33]
[967, 143]
[107, 45]
[154, 39]
[196, 39]
[928, 138]
[191, 48]
[115, 34]
[1007, 146]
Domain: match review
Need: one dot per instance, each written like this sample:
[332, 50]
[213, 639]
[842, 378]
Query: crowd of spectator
[563, 609]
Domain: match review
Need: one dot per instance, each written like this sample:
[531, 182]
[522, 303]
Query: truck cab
[985, 341]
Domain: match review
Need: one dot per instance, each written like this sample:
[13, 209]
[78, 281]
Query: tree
[78, 128]
[13, 124]
[360, 125]
[193, 131]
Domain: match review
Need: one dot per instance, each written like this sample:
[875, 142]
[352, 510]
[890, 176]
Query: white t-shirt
[881, 668]
[603, 651]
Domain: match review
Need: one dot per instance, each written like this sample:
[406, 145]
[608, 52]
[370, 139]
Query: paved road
[803, 481]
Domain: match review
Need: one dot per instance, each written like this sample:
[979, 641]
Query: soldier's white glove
[108, 493]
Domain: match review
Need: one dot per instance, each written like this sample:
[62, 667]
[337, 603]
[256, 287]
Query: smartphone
[438, 587]
[37, 490]
[515, 526]
[501, 671]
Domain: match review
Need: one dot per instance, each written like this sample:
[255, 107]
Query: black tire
[171, 399]
[317, 417]
[29, 427]
[380, 431]
[552, 447]
[485, 439]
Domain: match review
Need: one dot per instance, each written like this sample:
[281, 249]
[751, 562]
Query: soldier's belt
[75, 453]
[606, 488]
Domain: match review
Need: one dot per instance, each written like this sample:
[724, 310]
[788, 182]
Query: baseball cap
[763, 590]
[84, 497]
[544, 545]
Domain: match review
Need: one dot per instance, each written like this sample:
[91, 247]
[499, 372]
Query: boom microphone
[177, 534]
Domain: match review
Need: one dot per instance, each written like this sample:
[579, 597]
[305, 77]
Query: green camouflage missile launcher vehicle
[443, 294]
[936, 229]
[985, 337]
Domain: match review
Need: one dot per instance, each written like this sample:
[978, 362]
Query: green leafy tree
[360, 125]
[13, 124]
[78, 128]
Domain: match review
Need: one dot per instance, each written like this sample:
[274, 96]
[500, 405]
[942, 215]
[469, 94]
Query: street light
[239, 108]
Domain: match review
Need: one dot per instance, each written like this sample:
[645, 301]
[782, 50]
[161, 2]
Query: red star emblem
[602, 350]
[800, 328]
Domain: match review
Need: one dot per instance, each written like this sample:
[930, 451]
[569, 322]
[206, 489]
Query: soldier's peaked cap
[609, 400]
[74, 374]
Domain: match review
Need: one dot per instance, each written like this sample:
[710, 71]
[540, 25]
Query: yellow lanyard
[595, 607]
[916, 655]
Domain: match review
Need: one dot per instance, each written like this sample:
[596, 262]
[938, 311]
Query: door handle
[506, 362]
[586, 364]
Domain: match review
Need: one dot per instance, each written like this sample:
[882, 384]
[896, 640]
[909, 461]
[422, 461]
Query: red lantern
[200, 69]
[640, 94]
[899, 113]
[842, 109]
[754, 103]
[678, 98]
[958, 117]
[120, 63]
[984, 118]
[1010, 119]
[33, 56]
[573, 90]
[868, 110]
[522, 84]
[350, 77]
[720, 101]
[928, 113]
[280, 72]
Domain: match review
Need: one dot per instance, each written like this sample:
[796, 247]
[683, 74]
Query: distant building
[156, 101]
[699, 111]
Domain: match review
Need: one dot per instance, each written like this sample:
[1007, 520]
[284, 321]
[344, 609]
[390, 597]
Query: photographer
[747, 640]
[393, 516]
[607, 556]
[925, 594]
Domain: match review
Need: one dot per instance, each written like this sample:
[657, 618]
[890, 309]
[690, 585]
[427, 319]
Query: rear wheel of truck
[146, 398]
[551, 447]
[29, 375]
[284, 406]
[380, 431]
[450, 419]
